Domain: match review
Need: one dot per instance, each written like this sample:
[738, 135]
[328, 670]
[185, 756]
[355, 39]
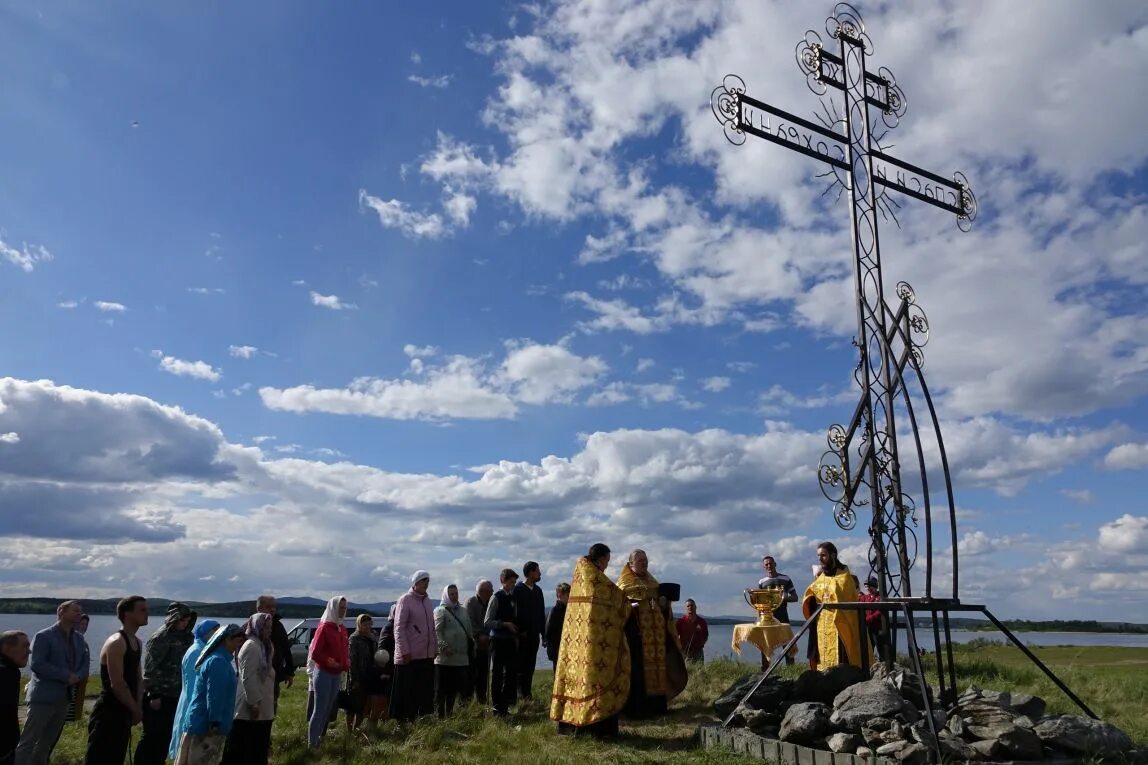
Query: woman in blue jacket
[212, 707]
[202, 633]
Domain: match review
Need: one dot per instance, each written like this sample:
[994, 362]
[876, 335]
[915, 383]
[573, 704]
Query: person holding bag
[455, 648]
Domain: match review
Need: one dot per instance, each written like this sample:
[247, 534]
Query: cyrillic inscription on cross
[862, 466]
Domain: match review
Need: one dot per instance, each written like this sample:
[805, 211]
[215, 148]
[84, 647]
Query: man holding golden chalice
[767, 633]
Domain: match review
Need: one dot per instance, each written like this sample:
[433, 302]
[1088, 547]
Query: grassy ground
[1114, 681]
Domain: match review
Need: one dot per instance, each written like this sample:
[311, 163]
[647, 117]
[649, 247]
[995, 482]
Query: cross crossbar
[802, 141]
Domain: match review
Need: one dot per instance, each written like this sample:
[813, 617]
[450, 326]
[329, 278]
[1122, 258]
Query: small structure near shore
[842, 716]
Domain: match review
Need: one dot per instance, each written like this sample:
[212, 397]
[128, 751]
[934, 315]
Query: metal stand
[946, 668]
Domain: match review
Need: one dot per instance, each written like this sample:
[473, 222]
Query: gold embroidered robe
[659, 636]
[834, 626]
[592, 680]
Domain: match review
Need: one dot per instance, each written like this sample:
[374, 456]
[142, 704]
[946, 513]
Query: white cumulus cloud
[25, 257]
[198, 369]
[331, 301]
[395, 214]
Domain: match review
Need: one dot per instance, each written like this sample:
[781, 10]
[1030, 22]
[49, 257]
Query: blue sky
[304, 298]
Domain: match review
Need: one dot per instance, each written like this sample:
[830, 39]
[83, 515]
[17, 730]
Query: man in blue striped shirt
[774, 578]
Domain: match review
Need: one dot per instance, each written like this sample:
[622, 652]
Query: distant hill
[301, 601]
[289, 608]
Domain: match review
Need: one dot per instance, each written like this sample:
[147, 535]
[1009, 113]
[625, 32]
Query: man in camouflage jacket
[163, 680]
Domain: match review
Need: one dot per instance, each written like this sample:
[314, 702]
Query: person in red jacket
[693, 632]
[874, 619]
[328, 658]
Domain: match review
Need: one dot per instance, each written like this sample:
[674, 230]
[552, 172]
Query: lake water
[721, 635]
[719, 643]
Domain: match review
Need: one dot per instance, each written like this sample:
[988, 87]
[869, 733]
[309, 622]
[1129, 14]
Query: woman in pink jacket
[328, 659]
[416, 645]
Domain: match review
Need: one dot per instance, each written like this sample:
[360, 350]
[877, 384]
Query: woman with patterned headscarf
[201, 634]
[250, 740]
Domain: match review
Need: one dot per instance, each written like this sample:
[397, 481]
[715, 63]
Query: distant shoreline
[312, 608]
[288, 608]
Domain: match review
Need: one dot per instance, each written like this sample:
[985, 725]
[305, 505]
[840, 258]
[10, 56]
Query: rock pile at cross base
[841, 710]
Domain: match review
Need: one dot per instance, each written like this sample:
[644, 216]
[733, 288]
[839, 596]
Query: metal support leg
[915, 657]
[784, 652]
[952, 663]
[1048, 672]
[941, 684]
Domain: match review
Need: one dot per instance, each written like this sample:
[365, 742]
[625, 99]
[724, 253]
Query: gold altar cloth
[765, 639]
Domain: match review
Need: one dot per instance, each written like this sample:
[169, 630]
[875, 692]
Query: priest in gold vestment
[657, 664]
[592, 676]
[838, 630]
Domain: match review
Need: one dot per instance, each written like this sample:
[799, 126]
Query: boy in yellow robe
[592, 676]
[837, 629]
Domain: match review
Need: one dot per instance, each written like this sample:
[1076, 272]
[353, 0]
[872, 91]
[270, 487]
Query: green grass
[1114, 681]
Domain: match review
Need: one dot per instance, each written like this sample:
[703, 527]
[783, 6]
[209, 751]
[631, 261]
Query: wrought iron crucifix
[863, 466]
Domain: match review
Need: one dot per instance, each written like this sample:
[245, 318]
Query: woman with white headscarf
[452, 665]
[412, 692]
[249, 742]
[329, 657]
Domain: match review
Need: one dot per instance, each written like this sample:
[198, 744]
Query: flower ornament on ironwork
[811, 62]
[968, 203]
[894, 98]
[726, 107]
[846, 22]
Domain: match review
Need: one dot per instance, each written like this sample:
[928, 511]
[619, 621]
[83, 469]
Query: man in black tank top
[120, 704]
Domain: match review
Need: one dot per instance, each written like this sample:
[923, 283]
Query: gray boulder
[844, 742]
[987, 732]
[983, 715]
[1019, 703]
[919, 732]
[753, 719]
[805, 722]
[880, 731]
[823, 687]
[988, 750]
[864, 752]
[1021, 744]
[954, 749]
[906, 682]
[862, 702]
[1082, 735]
[768, 697]
[913, 754]
[1030, 706]
[890, 749]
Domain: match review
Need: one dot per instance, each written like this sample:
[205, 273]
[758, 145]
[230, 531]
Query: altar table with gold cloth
[765, 639]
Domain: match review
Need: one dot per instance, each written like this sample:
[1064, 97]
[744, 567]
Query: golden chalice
[765, 601]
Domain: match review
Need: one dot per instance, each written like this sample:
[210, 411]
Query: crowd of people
[205, 693]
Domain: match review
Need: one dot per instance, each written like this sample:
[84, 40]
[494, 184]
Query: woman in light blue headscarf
[202, 633]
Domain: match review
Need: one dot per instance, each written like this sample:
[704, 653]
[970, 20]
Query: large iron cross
[862, 466]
